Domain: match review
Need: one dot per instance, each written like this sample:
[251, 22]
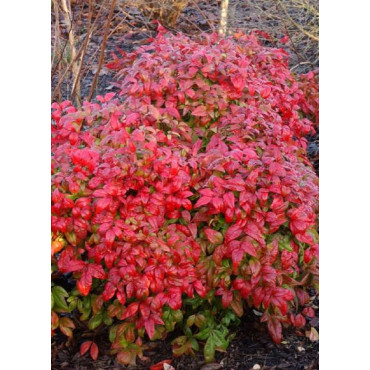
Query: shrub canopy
[187, 198]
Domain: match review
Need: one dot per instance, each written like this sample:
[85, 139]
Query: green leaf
[179, 341]
[209, 349]
[314, 234]
[59, 299]
[170, 325]
[87, 302]
[200, 320]
[231, 337]
[112, 333]
[72, 302]
[219, 339]
[108, 320]
[194, 344]
[95, 321]
[177, 315]
[285, 244]
[52, 301]
[204, 334]
[85, 314]
[187, 331]
[190, 321]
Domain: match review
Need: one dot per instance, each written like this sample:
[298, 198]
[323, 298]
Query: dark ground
[252, 347]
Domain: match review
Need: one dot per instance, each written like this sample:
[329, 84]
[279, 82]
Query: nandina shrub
[189, 198]
[188, 86]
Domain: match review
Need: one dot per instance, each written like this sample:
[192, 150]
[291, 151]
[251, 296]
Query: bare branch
[102, 49]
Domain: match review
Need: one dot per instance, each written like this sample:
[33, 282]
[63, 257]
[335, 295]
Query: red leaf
[96, 271]
[85, 346]
[109, 96]
[84, 283]
[227, 298]
[109, 291]
[131, 310]
[255, 266]
[258, 295]
[284, 39]
[309, 312]
[232, 233]
[149, 327]
[266, 92]
[303, 296]
[238, 82]
[202, 201]
[274, 328]
[131, 118]
[68, 263]
[200, 111]
[249, 248]
[173, 112]
[121, 298]
[200, 288]
[94, 351]
[114, 122]
[229, 199]
[236, 256]
[299, 321]
[251, 90]
[253, 231]
[244, 287]
[207, 192]
[159, 365]
[215, 237]
[110, 236]
[102, 204]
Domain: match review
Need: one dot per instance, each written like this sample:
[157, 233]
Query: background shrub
[189, 198]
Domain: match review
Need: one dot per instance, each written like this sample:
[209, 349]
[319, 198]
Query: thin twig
[57, 32]
[299, 27]
[211, 26]
[68, 19]
[102, 49]
[61, 79]
[87, 40]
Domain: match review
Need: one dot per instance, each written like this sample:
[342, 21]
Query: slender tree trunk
[223, 21]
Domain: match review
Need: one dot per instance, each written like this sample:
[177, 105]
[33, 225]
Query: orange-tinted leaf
[159, 365]
[66, 325]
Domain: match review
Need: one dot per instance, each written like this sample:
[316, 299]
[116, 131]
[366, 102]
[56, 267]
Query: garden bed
[252, 346]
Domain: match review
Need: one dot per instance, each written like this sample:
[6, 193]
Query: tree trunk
[223, 19]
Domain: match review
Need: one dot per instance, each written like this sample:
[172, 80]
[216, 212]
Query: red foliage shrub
[188, 196]
[309, 84]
